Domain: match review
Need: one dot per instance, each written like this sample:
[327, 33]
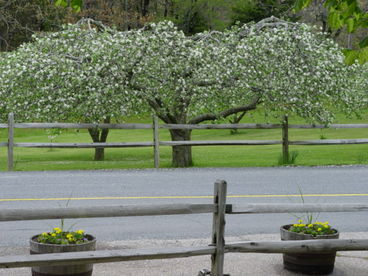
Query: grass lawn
[26, 159]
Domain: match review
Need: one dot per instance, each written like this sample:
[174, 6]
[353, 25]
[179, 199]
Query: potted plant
[58, 241]
[309, 263]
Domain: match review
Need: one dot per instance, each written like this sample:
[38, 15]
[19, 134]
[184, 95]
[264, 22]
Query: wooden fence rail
[156, 143]
[217, 249]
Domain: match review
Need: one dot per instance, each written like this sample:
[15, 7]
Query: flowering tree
[295, 69]
[77, 74]
[95, 74]
[181, 79]
[285, 67]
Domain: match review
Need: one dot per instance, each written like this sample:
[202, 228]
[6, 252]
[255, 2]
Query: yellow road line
[176, 197]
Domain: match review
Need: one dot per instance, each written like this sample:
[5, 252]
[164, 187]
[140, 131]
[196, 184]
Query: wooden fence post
[218, 229]
[285, 140]
[10, 141]
[156, 142]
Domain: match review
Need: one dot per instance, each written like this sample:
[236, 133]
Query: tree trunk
[145, 5]
[99, 136]
[235, 120]
[181, 155]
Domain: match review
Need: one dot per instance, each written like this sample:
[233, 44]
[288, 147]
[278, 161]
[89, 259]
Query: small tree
[77, 74]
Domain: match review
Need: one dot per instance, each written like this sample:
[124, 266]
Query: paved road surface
[246, 185]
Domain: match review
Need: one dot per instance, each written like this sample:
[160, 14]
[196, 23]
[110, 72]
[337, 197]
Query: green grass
[211, 156]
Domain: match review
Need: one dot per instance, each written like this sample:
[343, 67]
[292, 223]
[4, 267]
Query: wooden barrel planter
[308, 263]
[65, 270]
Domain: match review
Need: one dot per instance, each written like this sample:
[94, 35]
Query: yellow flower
[44, 234]
[325, 223]
[69, 236]
[326, 226]
[53, 234]
[310, 225]
[81, 232]
[57, 230]
[319, 229]
[300, 220]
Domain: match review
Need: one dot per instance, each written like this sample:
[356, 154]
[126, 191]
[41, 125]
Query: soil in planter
[63, 270]
[308, 263]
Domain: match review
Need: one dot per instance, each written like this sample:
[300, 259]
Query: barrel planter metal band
[66, 270]
[308, 263]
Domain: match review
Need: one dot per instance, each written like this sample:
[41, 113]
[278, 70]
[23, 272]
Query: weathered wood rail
[156, 143]
[217, 249]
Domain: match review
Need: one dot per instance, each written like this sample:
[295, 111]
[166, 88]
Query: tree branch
[157, 106]
[100, 26]
[226, 113]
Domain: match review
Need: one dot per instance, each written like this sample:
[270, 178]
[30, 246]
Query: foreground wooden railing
[156, 143]
[217, 249]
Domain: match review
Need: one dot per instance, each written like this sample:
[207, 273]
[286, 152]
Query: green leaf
[62, 3]
[364, 43]
[330, 3]
[350, 56]
[363, 55]
[334, 20]
[76, 5]
[350, 23]
[364, 22]
[360, 55]
[301, 4]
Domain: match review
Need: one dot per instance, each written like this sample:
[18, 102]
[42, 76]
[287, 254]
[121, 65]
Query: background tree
[122, 14]
[351, 14]
[245, 11]
[20, 19]
[77, 74]
[191, 16]
[194, 16]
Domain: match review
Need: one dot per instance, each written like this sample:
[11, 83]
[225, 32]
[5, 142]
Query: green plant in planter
[314, 229]
[309, 263]
[58, 236]
[309, 228]
[59, 241]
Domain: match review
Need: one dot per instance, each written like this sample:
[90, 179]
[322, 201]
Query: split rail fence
[156, 143]
[217, 249]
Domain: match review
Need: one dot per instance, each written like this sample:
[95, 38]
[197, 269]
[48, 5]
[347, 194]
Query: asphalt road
[245, 185]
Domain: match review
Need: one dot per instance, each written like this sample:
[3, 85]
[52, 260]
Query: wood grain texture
[10, 141]
[304, 246]
[104, 256]
[82, 126]
[330, 142]
[156, 143]
[218, 228]
[285, 139]
[263, 208]
[84, 145]
[105, 211]
[221, 143]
